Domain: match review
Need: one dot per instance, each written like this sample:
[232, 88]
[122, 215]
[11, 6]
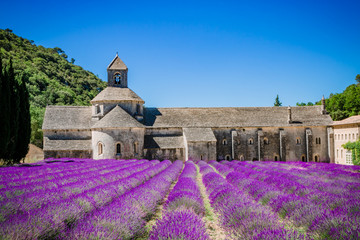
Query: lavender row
[56, 217]
[42, 169]
[37, 177]
[183, 210]
[300, 206]
[126, 216]
[240, 215]
[344, 192]
[40, 199]
[49, 185]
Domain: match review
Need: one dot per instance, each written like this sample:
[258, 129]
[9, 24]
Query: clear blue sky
[204, 53]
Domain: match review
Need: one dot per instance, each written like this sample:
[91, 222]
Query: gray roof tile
[117, 64]
[235, 117]
[117, 118]
[199, 135]
[67, 118]
[115, 94]
[164, 142]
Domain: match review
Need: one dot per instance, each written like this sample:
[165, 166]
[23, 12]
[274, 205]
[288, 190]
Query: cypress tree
[5, 112]
[14, 113]
[24, 127]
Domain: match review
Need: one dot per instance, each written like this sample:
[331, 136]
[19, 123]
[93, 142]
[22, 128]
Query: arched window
[345, 136]
[136, 146]
[251, 141]
[303, 159]
[201, 157]
[100, 148]
[241, 158]
[224, 142]
[316, 158]
[353, 136]
[298, 141]
[337, 153]
[117, 78]
[228, 157]
[266, 141]
[208, 144]
[276, 158]
[138, 108]
[118, 149]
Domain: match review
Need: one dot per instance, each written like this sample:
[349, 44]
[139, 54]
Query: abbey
[117, 125]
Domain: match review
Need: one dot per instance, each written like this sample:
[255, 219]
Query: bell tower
[117, 73]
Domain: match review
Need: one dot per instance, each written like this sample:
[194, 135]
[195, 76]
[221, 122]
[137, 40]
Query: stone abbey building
[117, 125]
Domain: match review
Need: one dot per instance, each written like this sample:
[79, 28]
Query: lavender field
[142, 199]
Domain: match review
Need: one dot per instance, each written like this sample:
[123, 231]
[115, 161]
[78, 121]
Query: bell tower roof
[117, 64]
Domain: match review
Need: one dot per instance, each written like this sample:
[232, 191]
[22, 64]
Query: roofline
[111, 101]
[190, 108]
[115, 128]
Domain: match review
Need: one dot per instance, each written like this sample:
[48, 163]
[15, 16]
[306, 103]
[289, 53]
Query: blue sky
[204, 53]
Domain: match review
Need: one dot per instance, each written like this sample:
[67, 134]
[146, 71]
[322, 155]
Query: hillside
[52, 78]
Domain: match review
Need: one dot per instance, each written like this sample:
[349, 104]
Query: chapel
[117, 125]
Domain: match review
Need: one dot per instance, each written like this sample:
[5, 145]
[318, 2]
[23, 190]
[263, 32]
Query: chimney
[323, 109]
[289, 115]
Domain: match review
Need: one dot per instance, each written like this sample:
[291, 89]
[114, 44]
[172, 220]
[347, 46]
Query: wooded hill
[52, 78]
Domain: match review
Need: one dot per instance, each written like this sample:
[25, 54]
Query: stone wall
[205, 151]
[67, 154]
[67, 134]
[127, 138]
[165, 154]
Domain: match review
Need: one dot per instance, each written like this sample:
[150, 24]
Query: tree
[72, 60]
[24, 128]
[277, 102]
[357, 78]
[5, 111]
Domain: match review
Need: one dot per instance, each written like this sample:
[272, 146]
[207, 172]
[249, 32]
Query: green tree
[277, 102]
[14, 112]
[5, 112]
[24, 127]
[357, 78]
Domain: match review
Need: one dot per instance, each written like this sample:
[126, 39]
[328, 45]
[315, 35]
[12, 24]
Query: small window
[303, 159]
[316, 158]
[348, 158]
[345, 136]
[251, 141]
[208, 144]
[276, 158]
[241, 158]
[138, 108]
[298, 141]
[100, 148]
[342, 136]
[341, 153]
[227, 157]
[201, 157]
[353, 136]
[266, 141]
[337, 153]
[335, 136]
[224, 142]
[136, 146]
[118, 149]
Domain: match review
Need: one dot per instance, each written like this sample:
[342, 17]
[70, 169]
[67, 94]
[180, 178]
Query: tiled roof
[164, 142]
[117, 118]
[67, 118]
[115, 94]
[69, 145]
[349, 120]
[117, 64]
[235, 117]
[199, 135]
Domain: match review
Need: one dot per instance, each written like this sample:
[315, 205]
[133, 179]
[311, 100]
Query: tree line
[15, 126]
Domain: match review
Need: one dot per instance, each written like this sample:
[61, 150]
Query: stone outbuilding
[117, 125]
